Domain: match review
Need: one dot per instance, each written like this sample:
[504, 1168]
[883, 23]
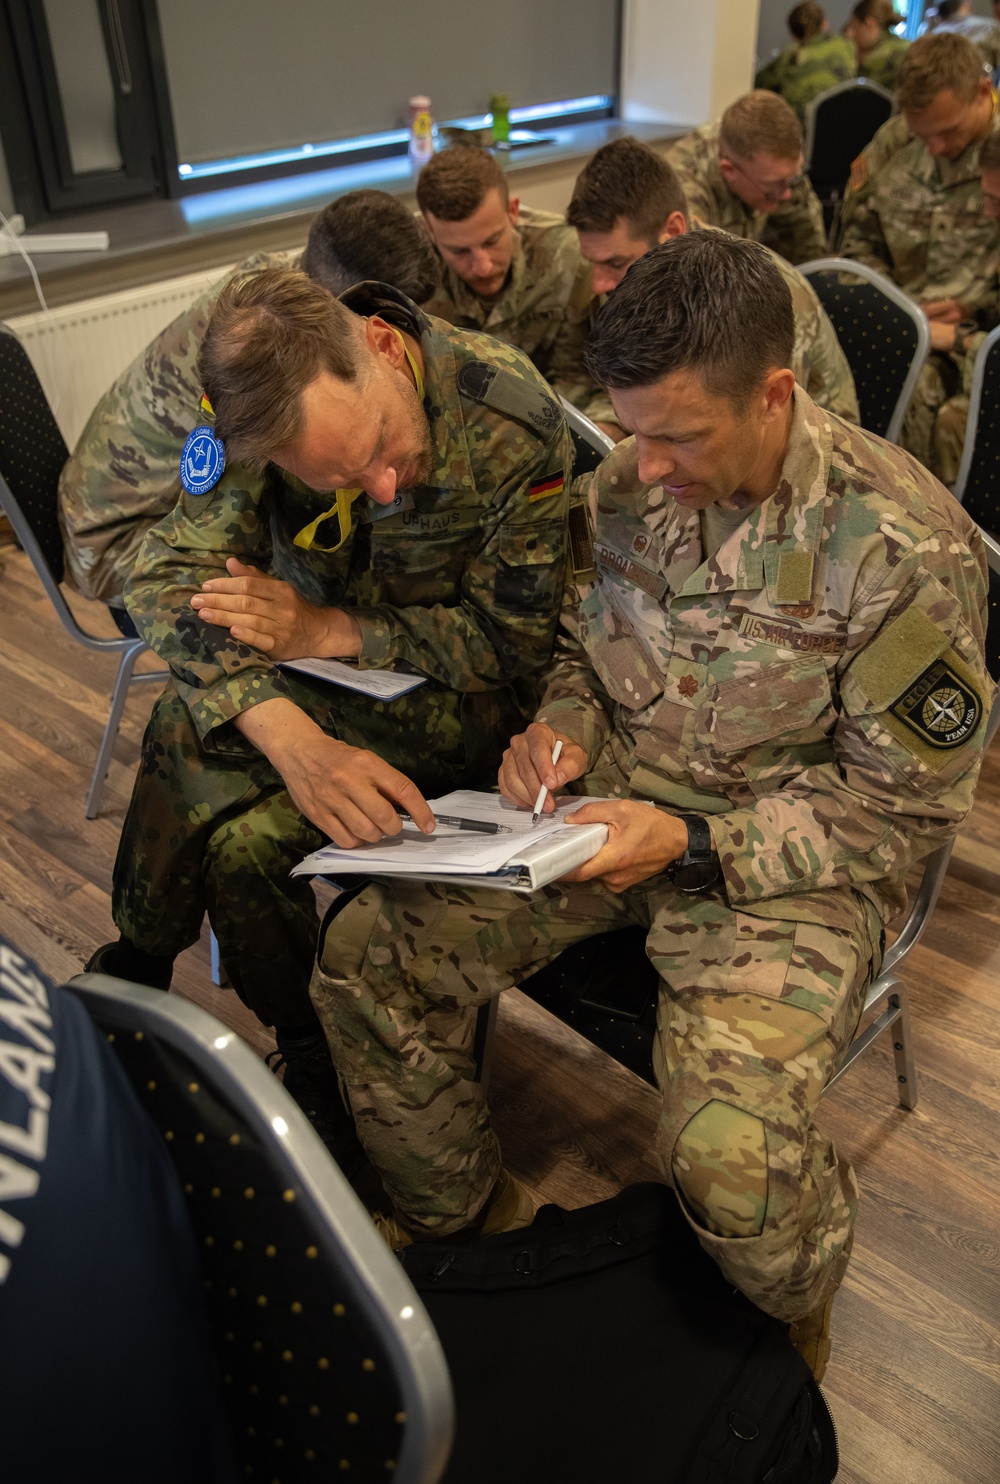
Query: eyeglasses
[771, 192]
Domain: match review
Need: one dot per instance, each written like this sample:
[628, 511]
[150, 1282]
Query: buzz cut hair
[942, 62]
[760, 123]
[270, 335]
[626, 180]
[456, 182]
[704, 302]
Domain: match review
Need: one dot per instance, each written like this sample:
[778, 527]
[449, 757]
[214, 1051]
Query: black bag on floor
[603, 1346]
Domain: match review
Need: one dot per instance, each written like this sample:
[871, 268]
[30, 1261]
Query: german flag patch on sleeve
[542, 489]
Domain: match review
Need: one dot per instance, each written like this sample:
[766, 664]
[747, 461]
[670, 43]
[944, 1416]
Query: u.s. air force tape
[203, 459]
[939, 707]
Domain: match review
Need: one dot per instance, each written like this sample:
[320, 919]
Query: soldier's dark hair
[370, 234]
[947, 8]
[882, 11]
[940, 62]
[806, 20]
[625, 179]
[270, 335]
[703, 302]
[760, 122]
[455, 182]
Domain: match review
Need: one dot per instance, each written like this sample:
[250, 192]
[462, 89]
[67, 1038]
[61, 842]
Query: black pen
[478, 826]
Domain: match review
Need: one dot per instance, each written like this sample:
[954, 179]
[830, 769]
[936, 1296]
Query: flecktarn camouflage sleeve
[505, 624]
[216, 675]
[907, 739]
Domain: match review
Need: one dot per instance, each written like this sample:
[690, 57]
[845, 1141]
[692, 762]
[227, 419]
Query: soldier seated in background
[879, 50]
[506, 269]
[627, 199]
[395, 495]
[955, 17]
[914, 210]
[744, 173]
[814, 62]
[780, 687]
[122, 475]
[964, 340]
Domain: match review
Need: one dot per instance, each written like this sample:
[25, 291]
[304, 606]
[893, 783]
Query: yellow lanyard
[345, 498]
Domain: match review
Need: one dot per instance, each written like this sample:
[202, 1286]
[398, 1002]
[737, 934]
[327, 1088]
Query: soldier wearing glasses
[744, 173]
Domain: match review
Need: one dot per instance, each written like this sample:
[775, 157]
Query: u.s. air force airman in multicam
[452, 569]
[785, 643]
[507, 270]
[122, 475]
[814, 62]
[744, 173]
[625, 200]
[915, 211]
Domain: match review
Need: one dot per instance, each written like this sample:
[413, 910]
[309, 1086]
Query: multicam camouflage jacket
[818, 361]
[460, 581]
[920, 221]
[816, 688]
[801, 72]
[545, 308]
[794, 228]
[881, 65]
[122, 475]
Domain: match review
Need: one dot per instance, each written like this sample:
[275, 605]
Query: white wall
[683, 63]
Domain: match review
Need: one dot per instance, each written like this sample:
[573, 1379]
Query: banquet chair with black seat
[32, 455]
[978, 484]
[330, 1365]
[839, 124]
[883, 334]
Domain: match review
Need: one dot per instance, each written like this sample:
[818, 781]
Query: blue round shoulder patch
[203, 459]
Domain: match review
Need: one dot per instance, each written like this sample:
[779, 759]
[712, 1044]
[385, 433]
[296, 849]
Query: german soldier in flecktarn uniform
[396, 496]
[779, 694]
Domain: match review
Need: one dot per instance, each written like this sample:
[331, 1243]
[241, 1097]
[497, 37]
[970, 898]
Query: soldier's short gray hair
[703, 302]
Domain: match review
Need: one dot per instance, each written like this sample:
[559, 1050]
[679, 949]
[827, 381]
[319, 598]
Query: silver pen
[477, 826]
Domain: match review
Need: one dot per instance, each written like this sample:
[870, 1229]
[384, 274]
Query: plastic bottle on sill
[421, 130]
[500, 109]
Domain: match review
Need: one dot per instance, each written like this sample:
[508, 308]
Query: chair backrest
[32, 450]
[839, 124]
[978, 483]
[329, 1362]
[590, 445]
[883, 334]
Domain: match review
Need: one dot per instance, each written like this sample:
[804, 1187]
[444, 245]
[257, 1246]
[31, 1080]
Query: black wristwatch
[698, 868]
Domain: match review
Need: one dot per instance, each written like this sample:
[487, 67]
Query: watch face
[694, 875]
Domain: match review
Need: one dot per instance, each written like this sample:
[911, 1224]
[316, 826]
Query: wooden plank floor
[915, 1379]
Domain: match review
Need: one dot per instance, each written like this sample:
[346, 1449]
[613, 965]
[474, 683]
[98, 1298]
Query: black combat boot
[310, 1078]
[122, 960]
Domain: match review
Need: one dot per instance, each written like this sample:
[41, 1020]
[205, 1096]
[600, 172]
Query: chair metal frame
[344, 1233]
[580, 424]
[901, 301]
[975, 403]
[127, 649]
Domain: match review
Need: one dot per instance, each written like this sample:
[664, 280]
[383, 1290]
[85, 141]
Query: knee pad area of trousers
[347, 929]
[719, 1167]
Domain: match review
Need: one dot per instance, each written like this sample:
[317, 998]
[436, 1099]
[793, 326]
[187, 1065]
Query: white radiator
[79, 349]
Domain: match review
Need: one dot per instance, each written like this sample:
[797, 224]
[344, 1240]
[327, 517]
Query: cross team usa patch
[942, 710]
[203, 459]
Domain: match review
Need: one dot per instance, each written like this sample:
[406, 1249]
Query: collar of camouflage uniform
[451, 468]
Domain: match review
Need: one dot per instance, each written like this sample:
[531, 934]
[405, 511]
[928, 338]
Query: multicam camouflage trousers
[934, 426]
[209, 832]
[753, 1019]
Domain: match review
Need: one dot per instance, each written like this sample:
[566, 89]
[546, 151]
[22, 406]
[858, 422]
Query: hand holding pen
[528, 774]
